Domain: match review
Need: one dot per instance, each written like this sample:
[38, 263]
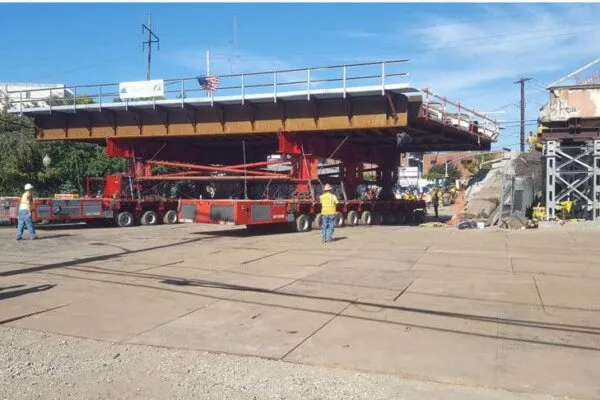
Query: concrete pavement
[518, 311]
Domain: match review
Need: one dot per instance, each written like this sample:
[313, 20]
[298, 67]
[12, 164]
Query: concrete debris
[483, 195]
[469, 224]
[516, 221]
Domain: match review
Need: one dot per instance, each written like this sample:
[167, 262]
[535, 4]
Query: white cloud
[551, 40]
[478, 62]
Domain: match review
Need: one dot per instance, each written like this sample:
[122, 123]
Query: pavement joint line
[350, 303]
[537, 289]
[403, 290]
[419, 258]
[263, 257]
[159, 266]
[512, 265]
[131, 337]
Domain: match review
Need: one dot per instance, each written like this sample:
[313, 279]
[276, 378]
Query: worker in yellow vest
[25, 209]
[329, 203]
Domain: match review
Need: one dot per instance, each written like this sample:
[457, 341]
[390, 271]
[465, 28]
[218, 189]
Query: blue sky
[470, 53]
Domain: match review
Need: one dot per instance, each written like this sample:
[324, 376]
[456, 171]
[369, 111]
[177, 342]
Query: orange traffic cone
[459, 207]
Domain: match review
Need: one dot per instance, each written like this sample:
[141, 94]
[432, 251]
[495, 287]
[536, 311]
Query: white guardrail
[448, 113]
[271, 83]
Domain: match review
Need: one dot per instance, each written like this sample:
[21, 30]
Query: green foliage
[21, 161]
[473, 166]
[439, 171]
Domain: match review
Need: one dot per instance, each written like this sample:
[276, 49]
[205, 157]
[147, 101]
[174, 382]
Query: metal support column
[573, 173]
[550, 155]
[596, 181]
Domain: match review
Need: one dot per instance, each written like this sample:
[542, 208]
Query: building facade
[12, 94]
[460, 160]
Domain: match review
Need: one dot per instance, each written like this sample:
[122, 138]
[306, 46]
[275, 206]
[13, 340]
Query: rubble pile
[484, 193]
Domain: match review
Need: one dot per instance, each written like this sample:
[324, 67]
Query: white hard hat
[327, 187]
[28, 186]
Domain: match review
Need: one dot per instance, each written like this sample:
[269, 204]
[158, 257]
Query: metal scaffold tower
[573, 173]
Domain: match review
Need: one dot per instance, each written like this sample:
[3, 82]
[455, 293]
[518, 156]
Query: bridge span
[367, 105]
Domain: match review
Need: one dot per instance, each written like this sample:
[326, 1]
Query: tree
[439, 171]
[21, 160]
[474, 166]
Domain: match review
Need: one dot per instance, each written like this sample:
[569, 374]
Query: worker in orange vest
[329, 203]
[25, 208]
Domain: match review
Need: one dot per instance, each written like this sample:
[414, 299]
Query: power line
[152, 38]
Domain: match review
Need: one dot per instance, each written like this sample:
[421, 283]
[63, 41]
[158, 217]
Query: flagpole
[207, 63]
[210, 92]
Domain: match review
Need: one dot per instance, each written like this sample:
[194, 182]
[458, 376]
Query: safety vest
[328, 204]
[26, 200]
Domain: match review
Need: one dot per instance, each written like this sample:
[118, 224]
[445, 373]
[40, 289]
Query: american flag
[209, 83]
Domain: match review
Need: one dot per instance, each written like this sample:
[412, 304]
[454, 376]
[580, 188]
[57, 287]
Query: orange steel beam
[374, 112]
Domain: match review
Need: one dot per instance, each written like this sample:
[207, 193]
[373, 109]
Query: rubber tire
[303, 223]
[389, 219]
[401, 218]
[366, 218]
[318, 221]
[339, 220]
[149, 218]
[170, 217]
[124, 219]
[352, 218]
[419, 217]
[377, 219]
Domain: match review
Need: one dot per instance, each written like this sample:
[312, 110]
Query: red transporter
[116, 199]
[267, 197]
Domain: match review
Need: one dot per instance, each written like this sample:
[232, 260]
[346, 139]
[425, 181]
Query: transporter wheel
[401, 218]
[389, 219]
[303, 223]
[339, 220]
[377, 219]
[419, 216]
[318, 221]
[366, 218]
[170, 217]
[124, 219]
[352, 218]
[149, 218]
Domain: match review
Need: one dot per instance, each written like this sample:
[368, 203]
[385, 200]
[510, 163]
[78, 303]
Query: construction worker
[329, 203]
[25, 208]
[435, 200]
[532, 141]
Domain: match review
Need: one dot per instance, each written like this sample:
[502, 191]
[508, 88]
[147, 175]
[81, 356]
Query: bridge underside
[213, 130]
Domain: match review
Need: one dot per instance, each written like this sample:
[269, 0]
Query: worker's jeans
[25, 219]
[327, 227]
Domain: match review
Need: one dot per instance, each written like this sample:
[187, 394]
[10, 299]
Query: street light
[46, 161]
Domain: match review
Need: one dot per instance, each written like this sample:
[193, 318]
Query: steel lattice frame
[573, 171]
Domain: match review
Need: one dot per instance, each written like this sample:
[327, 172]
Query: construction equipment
[116, 199]
[224, 141]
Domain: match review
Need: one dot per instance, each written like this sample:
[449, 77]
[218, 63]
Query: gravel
[39, 365]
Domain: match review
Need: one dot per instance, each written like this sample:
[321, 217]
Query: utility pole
[522, 82]
[152, 38]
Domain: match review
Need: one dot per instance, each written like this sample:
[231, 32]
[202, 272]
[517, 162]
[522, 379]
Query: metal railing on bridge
[277, 83]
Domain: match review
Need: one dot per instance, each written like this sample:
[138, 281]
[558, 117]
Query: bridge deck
[372, 106]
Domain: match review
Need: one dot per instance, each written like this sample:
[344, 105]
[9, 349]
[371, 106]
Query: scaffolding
[573, 173]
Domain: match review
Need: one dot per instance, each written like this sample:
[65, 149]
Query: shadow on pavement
[102, 257]
[20, 292]
[181, 283]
